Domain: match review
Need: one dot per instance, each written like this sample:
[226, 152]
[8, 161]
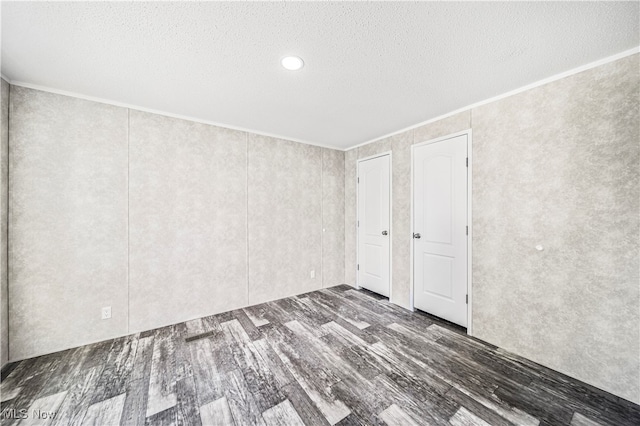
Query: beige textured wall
[148, 214]
[67, 221]
[4, 194]
[332, 217]
[350, 230]
[559, 165]
[285, 218]
[187, 219]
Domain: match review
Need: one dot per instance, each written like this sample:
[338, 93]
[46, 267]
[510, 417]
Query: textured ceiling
[371, 68]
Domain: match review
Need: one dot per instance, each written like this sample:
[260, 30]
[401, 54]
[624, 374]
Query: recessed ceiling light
[292, 63]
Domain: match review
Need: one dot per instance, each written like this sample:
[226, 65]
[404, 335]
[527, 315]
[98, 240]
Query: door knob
[416, 235]
[385, 233]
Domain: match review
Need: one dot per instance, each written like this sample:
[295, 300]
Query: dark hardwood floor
[336, 356]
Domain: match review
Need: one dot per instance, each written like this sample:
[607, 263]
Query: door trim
[468, 133]
[371, 157]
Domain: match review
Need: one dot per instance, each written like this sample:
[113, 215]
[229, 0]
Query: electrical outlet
[106, 312]
[312, 274]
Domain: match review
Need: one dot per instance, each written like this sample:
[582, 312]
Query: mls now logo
[12, 413]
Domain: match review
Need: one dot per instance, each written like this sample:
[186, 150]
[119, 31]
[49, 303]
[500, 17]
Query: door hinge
[467, 162]
[467, 299]
[358, 224]
[467, 230]
[358, 180]
[358, 267]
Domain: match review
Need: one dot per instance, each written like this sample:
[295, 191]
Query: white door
[440, 229]
[373, 224]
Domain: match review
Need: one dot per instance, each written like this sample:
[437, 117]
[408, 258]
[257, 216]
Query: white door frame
[469, 222]
[371, 157]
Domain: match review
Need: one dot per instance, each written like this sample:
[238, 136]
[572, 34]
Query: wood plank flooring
[337, 356]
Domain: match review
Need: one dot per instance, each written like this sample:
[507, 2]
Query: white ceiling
[371, 68]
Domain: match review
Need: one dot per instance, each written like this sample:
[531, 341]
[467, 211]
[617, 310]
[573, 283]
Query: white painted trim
[533, 85]
[357, 283]
[444, 138]
[390, 225]
[470, 236]
[371, 157]
[164, 113]
[358, 161]
[468, 133]
[411, 230]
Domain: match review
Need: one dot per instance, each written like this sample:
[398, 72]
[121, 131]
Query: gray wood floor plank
[182, 353]
[354, 390]
[477, 408]
[303, 405]
[334, 356]
[362, 398]
[358, 318]
[366, 302]
[396, 416]
[299, 356]
[248, 326]
[166, 417]
[282, 414]
[142, 363]
[242, 403]
[261, 381]
[409, 373]
[212, 322]
[207, 377]
[464, 417]
[214, 342]
[186, 409]
[356, 357]
[287, 310]
[307, 311]
[432, 361]
[312, 377]
[351, 420]
[280, 372]
[98, 354]
[79, 395]
[10, 393]
[216, 413]
[118, 368]
[359, 329]
[479, 393]
[32, 380]
[43, 410]
[502, 408]
[106, 412]
[162, 383]
[580, 420]
[257, 315]
[137, 384]
[434, 411]
[65, 373]
[134, 411]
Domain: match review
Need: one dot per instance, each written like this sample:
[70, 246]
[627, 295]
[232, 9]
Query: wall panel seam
[8, 210]
[246, 174]
[322, 217]
[128, 224]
